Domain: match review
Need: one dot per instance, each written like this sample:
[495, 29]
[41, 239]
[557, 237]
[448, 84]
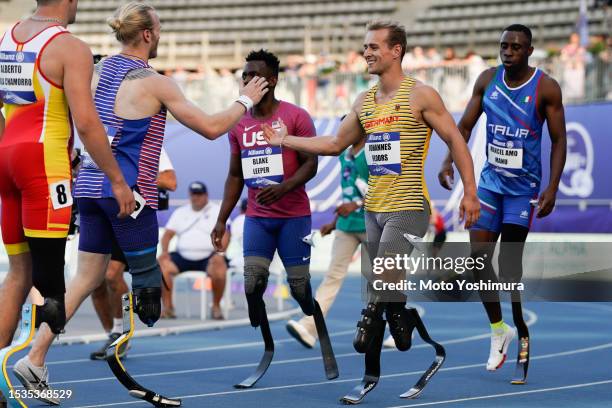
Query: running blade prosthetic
[26, 334]
[266, 359]
[112, 358]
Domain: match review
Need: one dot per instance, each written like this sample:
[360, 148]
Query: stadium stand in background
[319, 41]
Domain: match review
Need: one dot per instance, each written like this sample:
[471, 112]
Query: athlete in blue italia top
[517, 100]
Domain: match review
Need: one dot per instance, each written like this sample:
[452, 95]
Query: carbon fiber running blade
[522, 362]
[266, 359]
[358, 393]
[112, 358]
[372, 371]
[434, 367]
[327, 352]
[26, 334]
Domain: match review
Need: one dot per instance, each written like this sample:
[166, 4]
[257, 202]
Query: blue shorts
[100, 226]
[188, 265]
[497, 209]
[263, 236]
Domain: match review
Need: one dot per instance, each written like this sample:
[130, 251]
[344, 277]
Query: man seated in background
[192, 225]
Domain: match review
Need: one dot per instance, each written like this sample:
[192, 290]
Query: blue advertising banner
[585, 192]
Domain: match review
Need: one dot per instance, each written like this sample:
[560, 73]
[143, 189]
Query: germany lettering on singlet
[396, 148]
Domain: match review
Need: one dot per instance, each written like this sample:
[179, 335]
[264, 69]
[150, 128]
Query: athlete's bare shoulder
[550, 88]
[70, 47]
[484, 79]
[423, 95]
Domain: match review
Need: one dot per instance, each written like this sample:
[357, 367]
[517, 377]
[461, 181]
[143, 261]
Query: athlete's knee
[510, 262]
[146, 284]
[256, 272]
[53, 312]
[299, 285]
[217, 267]
[100, 292]
[401, 324]
[114, 271]
[256, 278]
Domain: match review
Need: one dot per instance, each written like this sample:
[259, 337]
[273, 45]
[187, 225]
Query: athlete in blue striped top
[517, 100]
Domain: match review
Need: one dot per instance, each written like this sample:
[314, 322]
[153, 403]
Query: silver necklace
[47, 20]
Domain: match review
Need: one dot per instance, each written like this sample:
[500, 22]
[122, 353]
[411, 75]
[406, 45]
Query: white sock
[117, 326]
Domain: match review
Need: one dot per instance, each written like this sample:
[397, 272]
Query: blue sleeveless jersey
[136, 144]
[514, 135]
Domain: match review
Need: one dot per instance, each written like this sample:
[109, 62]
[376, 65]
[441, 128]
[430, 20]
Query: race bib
[383, 153]
[262, 167]
[88, 162]
[61, 196]
[16, 77]
[140, 204]
[506, 154]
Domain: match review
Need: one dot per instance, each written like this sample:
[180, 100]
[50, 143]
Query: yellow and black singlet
[396, 148]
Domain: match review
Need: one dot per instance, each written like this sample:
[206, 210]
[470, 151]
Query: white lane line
[314, 384]
[419, 308]
[507, 394]
[531, 320]
[199, 349]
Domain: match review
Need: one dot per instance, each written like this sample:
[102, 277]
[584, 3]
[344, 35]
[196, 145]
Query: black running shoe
[101, 353]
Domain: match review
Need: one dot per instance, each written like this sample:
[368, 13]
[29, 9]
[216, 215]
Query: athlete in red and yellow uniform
[34, 149]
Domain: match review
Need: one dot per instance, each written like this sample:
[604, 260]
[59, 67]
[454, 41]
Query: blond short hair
[397, 33]
[129, 19]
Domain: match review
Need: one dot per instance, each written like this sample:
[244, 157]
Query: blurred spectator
[474, 66]
[181, 76]
[453, 84]
[434, 61]
[235, 248]
[574, 59]
[415, 62]
[436, 222]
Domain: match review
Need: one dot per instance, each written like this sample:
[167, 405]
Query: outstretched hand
[255, 89]
[275, 137]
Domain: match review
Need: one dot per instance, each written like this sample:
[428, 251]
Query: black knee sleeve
[255, 284]
[48, 265]
[53, 312]
[302, 293]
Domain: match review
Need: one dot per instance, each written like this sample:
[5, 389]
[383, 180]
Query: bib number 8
[61, 196]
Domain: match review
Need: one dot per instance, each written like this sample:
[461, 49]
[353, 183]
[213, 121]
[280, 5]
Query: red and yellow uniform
[35, 174]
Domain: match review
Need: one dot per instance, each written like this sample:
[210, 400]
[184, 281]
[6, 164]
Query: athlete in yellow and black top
[397, 115]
